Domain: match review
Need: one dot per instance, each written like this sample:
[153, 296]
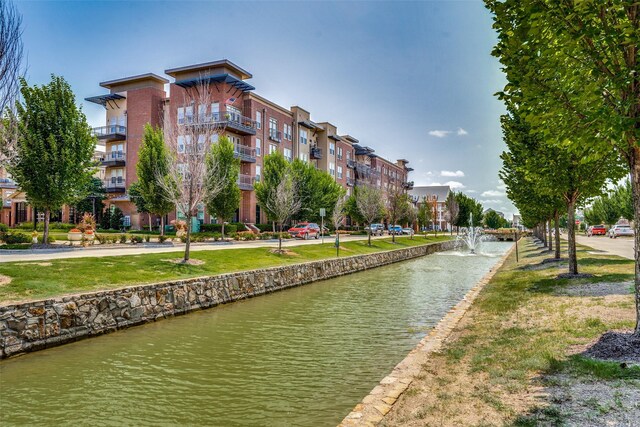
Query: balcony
[114, 185]
[244, 153]
[110, 133]
[351, 182]
[315, 153]
[275, 135]
[245, 182]
[227, 119]
[408, 185]
[114, 158]
[351, 164]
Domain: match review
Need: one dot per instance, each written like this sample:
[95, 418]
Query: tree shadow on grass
[604, 261]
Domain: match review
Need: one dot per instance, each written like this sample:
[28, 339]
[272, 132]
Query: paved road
[43, 255]
[622, 246]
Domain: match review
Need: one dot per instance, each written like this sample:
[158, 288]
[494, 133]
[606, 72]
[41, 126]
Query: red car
[305, 230]
[597, 230]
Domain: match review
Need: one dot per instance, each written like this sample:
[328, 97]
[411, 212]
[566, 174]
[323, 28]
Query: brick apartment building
[254, 124]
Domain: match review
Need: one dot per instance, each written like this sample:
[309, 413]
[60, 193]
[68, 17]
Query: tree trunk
[557, 228]
[550, 237]
[150, 226]
[369, 233]
[273, 226]
[635, 190]
[571, 236]
[162, 225]
[187, 248]
[222, 221]
[543, 232]
[393, 235]
[45, 234]
[280, 238]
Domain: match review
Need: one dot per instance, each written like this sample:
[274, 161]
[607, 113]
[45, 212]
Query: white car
[407, 230]
[620, 230]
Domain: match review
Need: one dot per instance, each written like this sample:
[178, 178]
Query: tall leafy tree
[425, 213]
[317, 189]
[93, 202]
[138, 199]
[152, 166]
[576, 64]
[225, 203]
[274, 166]
[452, 209]
[54, 163]
[492, 220]
[468, 208]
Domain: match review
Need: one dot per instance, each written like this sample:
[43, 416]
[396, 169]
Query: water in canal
[300, 357]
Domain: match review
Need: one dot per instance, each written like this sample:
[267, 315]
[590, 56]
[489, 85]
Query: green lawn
[36, 280]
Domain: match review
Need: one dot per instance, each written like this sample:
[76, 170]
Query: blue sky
[412, 80]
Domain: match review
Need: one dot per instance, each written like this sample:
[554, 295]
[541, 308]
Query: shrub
[49, 240]
[217, 228]
[28, 225]
[147, 238]
[102, 239]
[14, 238]
[265, 227]
[162, 239]
[123, 238]
[246, 235]
[136, 239]
[3, 228]
[17, 246]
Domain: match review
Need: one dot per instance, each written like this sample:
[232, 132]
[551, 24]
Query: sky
[412, 80]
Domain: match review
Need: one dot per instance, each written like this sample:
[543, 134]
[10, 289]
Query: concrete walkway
[622, 246]
[97, 251]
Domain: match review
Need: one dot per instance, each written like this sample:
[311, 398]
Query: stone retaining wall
[46, 323]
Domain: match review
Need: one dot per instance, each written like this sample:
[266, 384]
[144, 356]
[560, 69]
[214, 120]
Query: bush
[265, 227]
[17, 246]
[123, 238]
[217, 228]
[136, 239]
[27, 225]
[3, 228]
[246, 235]
[49, 240]
[162, 239]
[147, 238]
[14, 238]
[62, 226]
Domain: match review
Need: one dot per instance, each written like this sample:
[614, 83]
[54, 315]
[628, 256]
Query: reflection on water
[300, 357]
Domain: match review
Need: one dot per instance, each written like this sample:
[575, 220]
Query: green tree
[105, 219]
[452, 209]
[425, 214]
[93, 202]
[116, 219]
[576, 64]
[492, 220]
[351, 207]
[153, 167]
[135, 194]
[274, 168]
[226, 202]
[607, 209]
[468, 207]
[317, 189]
[622, 196]
[397, 207]
[54, 163]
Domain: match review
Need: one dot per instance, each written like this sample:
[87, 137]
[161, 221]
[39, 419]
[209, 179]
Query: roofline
[299, 108]
[244, 74]
[145, 76]
[271, 103]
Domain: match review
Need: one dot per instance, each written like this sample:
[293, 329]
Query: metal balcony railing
[114, 184]
[408, 185]
[245, 182]
[351, 164]
[315, 152]
[351, 182]
[245, 153]
[229, 119]
[110, 132]
[275, 135]
[114, 157]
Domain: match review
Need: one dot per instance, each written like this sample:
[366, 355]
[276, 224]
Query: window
[332, 148]
[258, 147]
[258, 173]
[303, 136]
[180, 115]
[339, 172]
[215, 110]
[348, 173]
[339, 153]
[180, 144]
[201, 140]
[332, 169]
[287, 131]
[273, 124]
[304, 157]
[188, 113]
[258, 120]
[273, 148]
[202, 113]
[288, 154]
[214, 138]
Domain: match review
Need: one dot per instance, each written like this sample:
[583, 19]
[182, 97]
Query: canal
[300, 357]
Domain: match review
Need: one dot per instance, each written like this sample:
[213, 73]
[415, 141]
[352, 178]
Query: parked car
[408, 231]
[305, 230]
[395, 229]
[620, 230]
[376, 229]
[597, 230]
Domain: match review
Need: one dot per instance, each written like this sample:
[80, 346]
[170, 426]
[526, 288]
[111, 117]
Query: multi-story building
[255, 125]
[433, 194]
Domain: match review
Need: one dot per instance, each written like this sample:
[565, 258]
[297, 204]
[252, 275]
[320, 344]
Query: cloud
[490, 201]
[492, 193]
[462, 132]
[439, 133]
[454, 174]
[502, 186]
[471, 191]
[455, 185]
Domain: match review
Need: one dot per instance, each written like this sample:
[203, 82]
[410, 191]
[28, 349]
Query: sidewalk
[67, 252]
